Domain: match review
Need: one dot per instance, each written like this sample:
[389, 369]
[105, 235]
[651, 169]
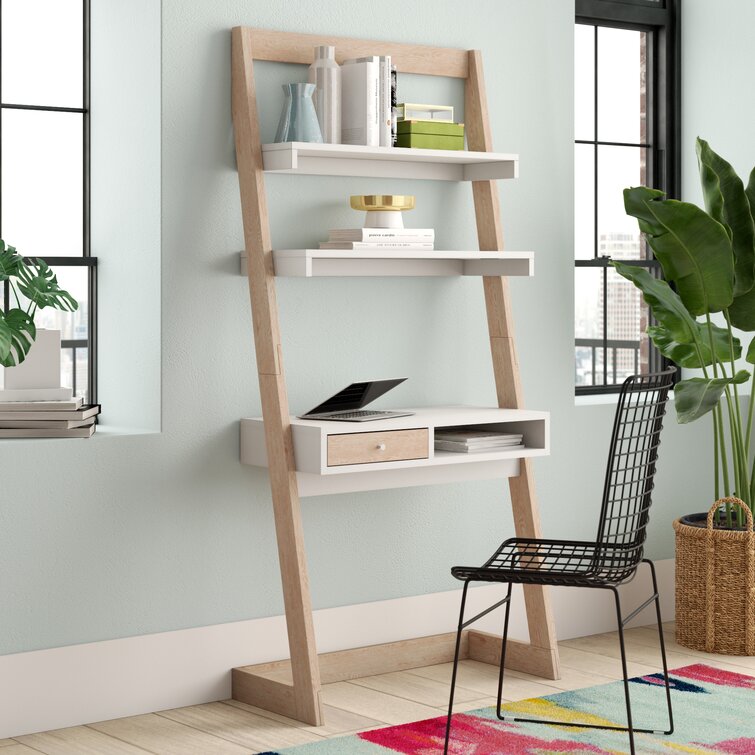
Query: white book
[471, 437]
[419, 246]
[76, 432]
[86, 412]
[441, 446]
[36, 394]
[41, 406]
[41, 424]
[386, 136]
[360, 101]
[425, 235]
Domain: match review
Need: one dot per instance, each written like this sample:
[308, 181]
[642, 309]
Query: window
[44, 163]
[626, 128]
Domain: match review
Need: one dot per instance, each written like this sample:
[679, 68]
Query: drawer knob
[380, 446]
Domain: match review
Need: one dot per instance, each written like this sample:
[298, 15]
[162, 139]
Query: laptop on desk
[348, 404]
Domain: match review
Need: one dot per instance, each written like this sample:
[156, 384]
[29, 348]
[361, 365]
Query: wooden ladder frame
[292, 687]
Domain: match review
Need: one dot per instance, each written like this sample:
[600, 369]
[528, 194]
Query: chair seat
[555, 562]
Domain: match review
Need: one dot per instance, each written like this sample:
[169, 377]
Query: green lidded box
[430, 134]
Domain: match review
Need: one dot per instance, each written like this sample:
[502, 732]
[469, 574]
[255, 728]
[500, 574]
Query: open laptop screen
[356, 396]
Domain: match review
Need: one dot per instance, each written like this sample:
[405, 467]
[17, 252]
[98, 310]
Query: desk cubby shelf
[387, 162]
[314, 263]
[304, 458]
[342, 457]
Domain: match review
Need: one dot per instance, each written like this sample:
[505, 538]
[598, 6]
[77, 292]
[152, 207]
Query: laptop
[348, 404]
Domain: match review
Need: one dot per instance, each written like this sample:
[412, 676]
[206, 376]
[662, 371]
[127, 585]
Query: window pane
[627, 321]
[618, 168]
[588, 326]
[584, 201]
[42, 52]
[622, 103]
[584, 82]
[42, 182]
[73, 326]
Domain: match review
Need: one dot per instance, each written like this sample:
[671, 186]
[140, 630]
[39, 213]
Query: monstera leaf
[17, 333]
[727, 202]
[9, 261]
[696, 397]
[39, 284]
[686, 354]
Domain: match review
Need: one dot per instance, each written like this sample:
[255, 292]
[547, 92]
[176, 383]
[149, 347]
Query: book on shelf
[441, 445]
[86, 431]
[360, 101]
[424, 235]
[41, 406]
[85, 412]
[384, 103]
[35, 394]
[476, 435]
[424, 246]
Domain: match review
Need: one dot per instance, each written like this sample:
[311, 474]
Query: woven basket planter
[715, 586]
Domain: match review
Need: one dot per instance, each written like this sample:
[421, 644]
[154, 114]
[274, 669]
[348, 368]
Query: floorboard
[233, 728]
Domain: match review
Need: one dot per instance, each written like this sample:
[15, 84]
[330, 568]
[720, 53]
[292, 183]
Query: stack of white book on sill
[69, 418]
[408, 239]
[474, 440]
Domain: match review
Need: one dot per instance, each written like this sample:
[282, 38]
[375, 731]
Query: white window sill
[599, 399]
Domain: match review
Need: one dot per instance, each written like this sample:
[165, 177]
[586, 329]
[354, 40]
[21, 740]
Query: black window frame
[663, 112]
[86, 259]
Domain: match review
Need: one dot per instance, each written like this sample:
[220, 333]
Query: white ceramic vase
[325, 74]
[41, 368]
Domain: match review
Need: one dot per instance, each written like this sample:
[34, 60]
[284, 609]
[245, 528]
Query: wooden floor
[372, 702]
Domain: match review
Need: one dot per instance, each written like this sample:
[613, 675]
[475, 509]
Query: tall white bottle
[325, 74]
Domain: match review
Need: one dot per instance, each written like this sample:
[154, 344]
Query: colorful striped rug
[714, 712]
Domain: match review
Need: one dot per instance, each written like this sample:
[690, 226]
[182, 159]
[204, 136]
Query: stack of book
[474, 440]
[419, 239]
[47, 419]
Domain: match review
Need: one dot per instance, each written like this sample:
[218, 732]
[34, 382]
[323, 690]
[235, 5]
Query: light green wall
[124, 535]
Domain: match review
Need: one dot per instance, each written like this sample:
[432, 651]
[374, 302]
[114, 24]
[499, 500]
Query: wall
[131, 534]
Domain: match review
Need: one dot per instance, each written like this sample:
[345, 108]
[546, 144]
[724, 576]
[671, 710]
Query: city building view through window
[612, 152]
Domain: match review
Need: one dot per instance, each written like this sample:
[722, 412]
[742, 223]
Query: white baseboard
[51, 689]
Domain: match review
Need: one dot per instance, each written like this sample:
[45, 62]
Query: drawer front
[370, 448]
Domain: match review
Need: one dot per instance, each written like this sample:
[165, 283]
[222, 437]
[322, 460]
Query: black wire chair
[607, 562]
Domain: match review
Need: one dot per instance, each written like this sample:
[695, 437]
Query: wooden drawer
[369, 448]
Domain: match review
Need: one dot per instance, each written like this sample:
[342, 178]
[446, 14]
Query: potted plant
[33, 280]
[708, 262]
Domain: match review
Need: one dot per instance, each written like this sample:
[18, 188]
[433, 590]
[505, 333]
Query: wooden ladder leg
[503, 351]
[286, 505]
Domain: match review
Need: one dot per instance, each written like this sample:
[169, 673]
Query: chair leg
[670, 729]
[503, 652]
[455, 666]
[620, 623]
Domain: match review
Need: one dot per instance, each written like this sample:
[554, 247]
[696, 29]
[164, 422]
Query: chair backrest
[631, 468]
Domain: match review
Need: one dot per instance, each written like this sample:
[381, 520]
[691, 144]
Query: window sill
[598, 399]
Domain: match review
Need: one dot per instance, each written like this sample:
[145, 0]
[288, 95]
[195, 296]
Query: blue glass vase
[298, 121]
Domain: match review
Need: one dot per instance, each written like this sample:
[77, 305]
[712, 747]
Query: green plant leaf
[6, 338]
[665, 304]
[39, 284]
[695, 253]
[9, 261]
[751, 352]
[727, 202]
[635, 204]
[696, 397]
[22, 332]
[686, 355]
[750, 192]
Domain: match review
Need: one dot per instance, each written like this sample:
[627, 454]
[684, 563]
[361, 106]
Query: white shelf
[317, 477]
[387, 162]
[313, 263]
